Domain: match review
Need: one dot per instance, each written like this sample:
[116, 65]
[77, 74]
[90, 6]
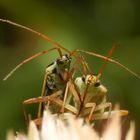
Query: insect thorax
[58, 74]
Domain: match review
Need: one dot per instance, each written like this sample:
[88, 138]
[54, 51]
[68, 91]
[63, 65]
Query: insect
[93, 94]
[57, 47]
[56, 77]
[50, 75]
[92, 100]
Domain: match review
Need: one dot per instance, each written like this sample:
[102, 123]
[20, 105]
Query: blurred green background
[92, 25]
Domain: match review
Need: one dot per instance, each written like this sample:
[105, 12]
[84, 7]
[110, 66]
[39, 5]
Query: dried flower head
[54, 128]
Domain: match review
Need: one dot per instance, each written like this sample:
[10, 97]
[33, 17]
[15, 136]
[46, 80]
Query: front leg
[71, 94]
[41, 100]
[92, 106]
[42, 95]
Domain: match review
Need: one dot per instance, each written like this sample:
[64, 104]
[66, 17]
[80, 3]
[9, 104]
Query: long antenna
[25, 61]
[106, 60]
[110, 60]
[57, 45]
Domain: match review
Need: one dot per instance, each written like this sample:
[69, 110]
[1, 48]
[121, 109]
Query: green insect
[57, 73]
[93, 95]
[58, 76]
[55, 79]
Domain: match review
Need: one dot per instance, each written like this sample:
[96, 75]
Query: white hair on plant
[54, 128]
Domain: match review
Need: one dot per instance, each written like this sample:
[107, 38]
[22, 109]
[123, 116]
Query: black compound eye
[67, 57]
[83, 78]
[97, 84]
[59, 61]
[64, 59]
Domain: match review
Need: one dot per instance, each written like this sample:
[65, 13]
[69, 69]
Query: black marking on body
[54, 71]
[50, 64]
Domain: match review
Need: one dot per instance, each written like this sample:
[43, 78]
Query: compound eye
[59, 61]
[83, 78]
[67, 57]
[97, 84]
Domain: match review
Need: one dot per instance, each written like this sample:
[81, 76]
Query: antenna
[25, 61]
[57, 45]
[110, 60]
[107, 58]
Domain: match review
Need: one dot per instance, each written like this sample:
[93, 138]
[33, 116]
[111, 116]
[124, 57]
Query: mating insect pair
[83, 96]
[61, 88]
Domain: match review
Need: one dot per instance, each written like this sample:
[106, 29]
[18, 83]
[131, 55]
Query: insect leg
[92, 106]
[71, 93]
[65, 98]
[25, 113]
[105, 115]
[102, 107]
[76, 97]
[39, 100]
[42, 94]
